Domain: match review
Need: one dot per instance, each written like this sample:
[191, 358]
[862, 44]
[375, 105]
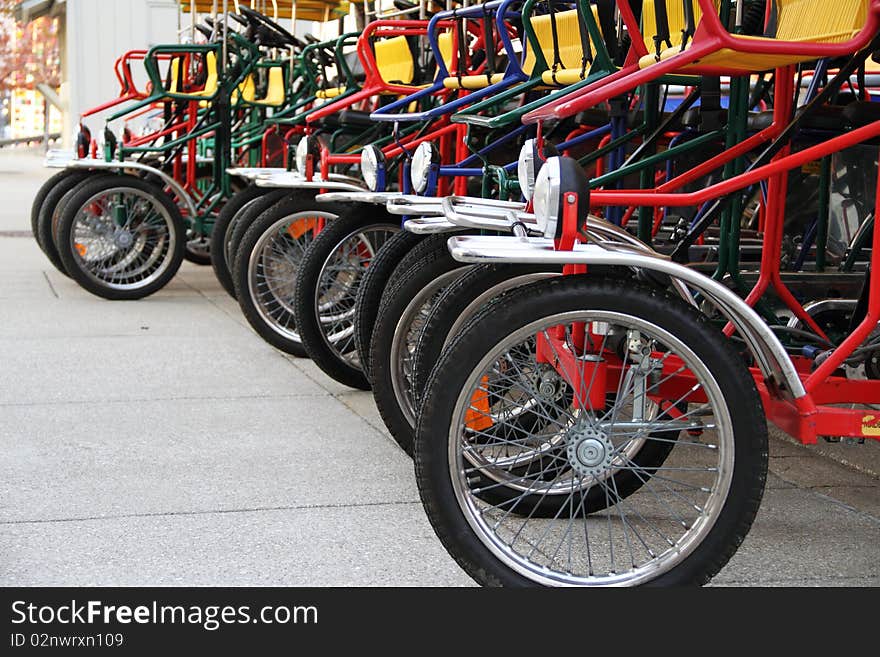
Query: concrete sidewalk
[161, 442]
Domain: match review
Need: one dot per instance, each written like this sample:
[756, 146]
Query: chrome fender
[293, 180]
[766, 348]
[179, 191]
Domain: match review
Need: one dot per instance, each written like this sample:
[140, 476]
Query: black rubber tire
[420, 269]
[40, 196]
[357, 217]
[243, 221]
[288, 205]
[479, 284]
[518, 309]
[372, 286]
[225, 219]
[49, 214]
[70, 260]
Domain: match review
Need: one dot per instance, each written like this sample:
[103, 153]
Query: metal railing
[38, 139]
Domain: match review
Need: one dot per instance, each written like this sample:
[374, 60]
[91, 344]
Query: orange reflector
[477, 416]
[81, 249]
[300, 227]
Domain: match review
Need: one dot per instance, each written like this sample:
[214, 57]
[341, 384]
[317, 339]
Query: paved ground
[161, 442]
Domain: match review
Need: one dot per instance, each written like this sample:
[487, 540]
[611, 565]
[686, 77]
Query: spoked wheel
[50, 210]
[373, 284]
[460, 301]
[121, 237]
[412, 291]
[45, 189]
[221, 234]
[558, 390]
[327, 287]
[267, 263]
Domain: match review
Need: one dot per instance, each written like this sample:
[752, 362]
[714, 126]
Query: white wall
[98, 32]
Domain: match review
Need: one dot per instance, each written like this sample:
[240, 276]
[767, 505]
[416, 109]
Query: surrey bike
[694, 126]
[122, 235]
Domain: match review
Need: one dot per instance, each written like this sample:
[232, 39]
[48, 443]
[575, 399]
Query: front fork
[586, 371]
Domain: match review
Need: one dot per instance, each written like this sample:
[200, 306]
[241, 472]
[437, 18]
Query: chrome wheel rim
[635, 538]
[272, 269]
[338, 283]
[123, 238]
[406, 335]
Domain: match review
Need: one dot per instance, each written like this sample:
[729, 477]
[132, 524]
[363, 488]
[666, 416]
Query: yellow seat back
[446, 44]
[819, 22]
[275, 95]
[796, 21]
[676, 19]
[174, 87]
[211, 80]
[571, 50]
[394, 60]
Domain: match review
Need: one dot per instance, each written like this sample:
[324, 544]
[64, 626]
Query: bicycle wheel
[468, 294]
[414, 288]
[267, 262]
[373, 284]
[40, 196]
[222, 232]
[326, 289]
[121, 237]
[688, 516]
[50, 212]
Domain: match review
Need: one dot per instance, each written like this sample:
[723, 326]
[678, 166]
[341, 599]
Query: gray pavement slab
[192, 456]
[21, 174]
[161, 442]
[802, 538]
[380, 545]
[114, 368]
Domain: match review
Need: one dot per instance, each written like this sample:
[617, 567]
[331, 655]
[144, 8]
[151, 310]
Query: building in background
[29, 59]
[92, 34]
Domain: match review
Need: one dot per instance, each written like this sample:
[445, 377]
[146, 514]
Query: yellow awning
[306, 10]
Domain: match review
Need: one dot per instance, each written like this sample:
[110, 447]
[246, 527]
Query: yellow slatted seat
[571, 49]
[798, 21]
[445, 43]
[246, 91]
[571, 54]
[677, 23]
[394, 60]
[174, 87]
[211, 80]
[275, 95]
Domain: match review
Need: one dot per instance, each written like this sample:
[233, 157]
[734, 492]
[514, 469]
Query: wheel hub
[124, 239]
[548, 384]
[589, 451]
